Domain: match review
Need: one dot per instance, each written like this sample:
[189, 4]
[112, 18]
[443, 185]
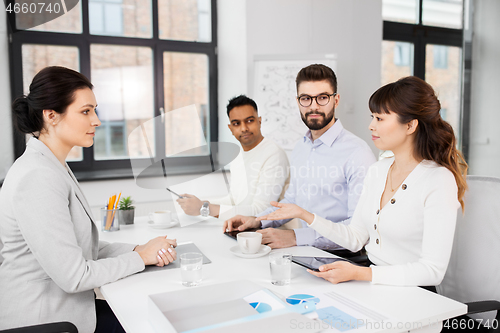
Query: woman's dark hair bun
[25, 118]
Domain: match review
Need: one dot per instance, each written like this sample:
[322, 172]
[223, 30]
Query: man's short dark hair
[241, 100]
[317, 72]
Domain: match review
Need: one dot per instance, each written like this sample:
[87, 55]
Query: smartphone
[233, 233]
[313, 263]
[180, 197]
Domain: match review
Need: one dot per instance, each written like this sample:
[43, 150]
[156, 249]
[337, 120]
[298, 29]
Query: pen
[180, 197]
[110, 215]
[118, 200]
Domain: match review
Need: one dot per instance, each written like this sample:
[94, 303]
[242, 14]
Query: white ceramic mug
[161, 217]
[249, 242]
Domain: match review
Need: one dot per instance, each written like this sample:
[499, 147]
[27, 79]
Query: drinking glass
[191, 264]
[281, 268]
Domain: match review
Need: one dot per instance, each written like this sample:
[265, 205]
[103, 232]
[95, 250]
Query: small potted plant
[127, 210]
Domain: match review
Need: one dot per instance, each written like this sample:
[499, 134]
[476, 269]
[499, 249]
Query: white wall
[6, 146]
[232, 58]
[484, 154]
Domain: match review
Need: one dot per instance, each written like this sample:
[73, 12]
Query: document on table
[236, 306]
[337, 312]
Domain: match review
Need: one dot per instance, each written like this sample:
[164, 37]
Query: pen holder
[110, 219]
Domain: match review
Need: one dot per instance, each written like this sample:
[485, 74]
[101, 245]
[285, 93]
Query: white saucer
[264, 249]
[153, 225]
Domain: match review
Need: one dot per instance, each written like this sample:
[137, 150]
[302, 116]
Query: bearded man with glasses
[327, 167]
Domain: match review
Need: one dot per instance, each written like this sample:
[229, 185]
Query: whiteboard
[275, 95]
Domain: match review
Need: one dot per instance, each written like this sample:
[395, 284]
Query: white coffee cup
[249, 242]
[161, 217]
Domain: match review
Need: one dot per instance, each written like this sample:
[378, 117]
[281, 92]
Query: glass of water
[191, 263]
[281, 268]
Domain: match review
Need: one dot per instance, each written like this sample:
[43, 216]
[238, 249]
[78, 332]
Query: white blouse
[410, 238]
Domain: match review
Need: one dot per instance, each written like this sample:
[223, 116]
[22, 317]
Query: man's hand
[341, 271]
[190, 204]
[240, 222]
[277, 239]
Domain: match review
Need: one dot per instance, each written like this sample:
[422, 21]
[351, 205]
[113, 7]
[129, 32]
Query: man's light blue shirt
[326, 178]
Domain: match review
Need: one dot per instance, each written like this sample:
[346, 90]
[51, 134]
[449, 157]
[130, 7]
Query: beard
[317, 123]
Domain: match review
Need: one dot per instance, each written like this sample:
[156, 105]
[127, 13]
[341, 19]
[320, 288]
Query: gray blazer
[52, 254]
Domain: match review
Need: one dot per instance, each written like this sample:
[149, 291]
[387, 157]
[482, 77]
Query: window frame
[89, 168]
[421, 35]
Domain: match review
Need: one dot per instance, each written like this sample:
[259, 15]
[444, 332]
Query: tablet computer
[180, 249]
[313, 263]
[233, 233]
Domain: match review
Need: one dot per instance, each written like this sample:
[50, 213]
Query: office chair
[61, 327]
[473, 275]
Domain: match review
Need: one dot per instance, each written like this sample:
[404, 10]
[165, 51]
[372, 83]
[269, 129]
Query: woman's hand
[158, 251]
[287, 211]
[341, 271]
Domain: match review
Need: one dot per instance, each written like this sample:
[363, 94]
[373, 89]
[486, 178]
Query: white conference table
[128, 297]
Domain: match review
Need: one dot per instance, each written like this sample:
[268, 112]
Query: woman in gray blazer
[53, 258]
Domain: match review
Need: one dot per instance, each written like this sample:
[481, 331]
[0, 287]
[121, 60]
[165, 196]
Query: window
[106, 17]
[397, 60]
[442, 112]
[178, 20]
[145, 59]
[443, 13]
[405, 11]
[424, 38]
[402, 55]
[443, 72]
[440, 55]
[124, 92]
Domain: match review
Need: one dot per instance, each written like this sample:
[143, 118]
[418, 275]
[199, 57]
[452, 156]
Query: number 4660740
[34, 8]
[469, 323]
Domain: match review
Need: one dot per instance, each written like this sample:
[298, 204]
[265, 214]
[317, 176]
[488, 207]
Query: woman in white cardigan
[407, 211]
[53, 258]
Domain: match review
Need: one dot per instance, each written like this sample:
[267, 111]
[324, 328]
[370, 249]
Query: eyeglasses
[321, 99]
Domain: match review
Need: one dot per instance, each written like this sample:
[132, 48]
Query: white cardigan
[410, 238]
